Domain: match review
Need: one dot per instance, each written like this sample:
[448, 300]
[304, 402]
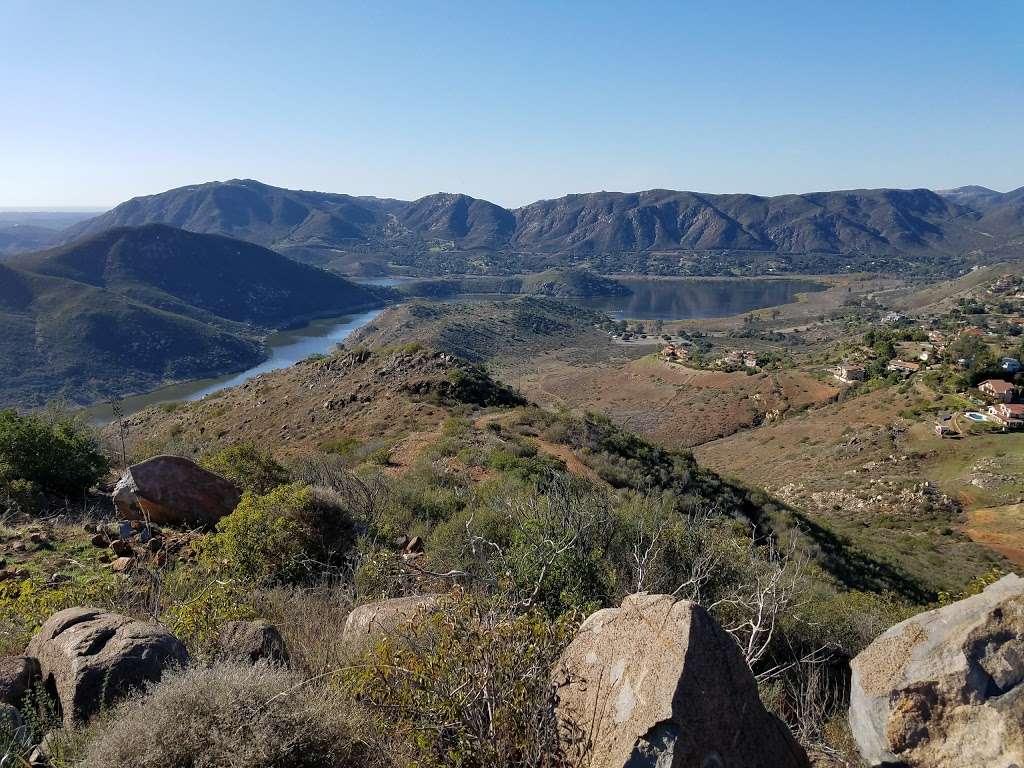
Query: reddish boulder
[174, 491]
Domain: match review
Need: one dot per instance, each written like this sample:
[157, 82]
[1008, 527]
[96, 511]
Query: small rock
[252, 641]
[156, 544]
[19, 546]
[121, 548]
[39, 539]
[122, 564]
[372, 621]
[89, 528]
[100, 540]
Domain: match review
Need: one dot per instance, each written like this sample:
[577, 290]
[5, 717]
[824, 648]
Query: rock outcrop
[252, 642]
[369, 623]
[88, 658]
[17, 674]
[945, 688]
[170, 490]
[657, 683]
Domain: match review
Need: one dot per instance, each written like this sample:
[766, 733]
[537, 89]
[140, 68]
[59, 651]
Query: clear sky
[102, 101]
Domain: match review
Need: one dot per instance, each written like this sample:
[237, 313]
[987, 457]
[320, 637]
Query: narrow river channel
[285, 347]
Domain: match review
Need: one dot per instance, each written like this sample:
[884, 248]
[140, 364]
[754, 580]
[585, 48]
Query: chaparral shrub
[53, 452]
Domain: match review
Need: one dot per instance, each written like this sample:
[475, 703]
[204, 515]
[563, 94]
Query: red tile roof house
[997, 389]
[1011, 416]
[902, 366]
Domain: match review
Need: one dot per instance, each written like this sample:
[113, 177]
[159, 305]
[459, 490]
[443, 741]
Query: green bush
[247, 467]
[472, 688]
[343, 446]
[200, 607]
[289, 534]
[54, 452]
[474, 386]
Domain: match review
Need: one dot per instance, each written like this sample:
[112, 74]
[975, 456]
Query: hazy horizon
[106, 207]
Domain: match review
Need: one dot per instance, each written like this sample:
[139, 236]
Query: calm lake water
[285, 347]
[665, 299]
[692, 299]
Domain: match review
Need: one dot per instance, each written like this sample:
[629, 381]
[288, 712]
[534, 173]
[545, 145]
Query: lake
[651, 299]
[285, 347]
[697, 298]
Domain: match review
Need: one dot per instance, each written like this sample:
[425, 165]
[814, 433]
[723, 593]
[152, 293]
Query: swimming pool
[975, 416]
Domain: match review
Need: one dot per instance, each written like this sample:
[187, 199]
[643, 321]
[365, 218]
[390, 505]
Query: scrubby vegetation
[283, 535]
[49, 452]
[258, 717]
[247, 467]
[526, 521]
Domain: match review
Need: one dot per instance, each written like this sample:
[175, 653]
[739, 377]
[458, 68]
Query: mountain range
[132, 308]
[657, 231]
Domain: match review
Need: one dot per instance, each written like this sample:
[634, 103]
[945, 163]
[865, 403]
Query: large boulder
[88, 658]
[657, 683]
[369, 623]
[17, 675]
[174, 491]
[945, 688]
[252, 642]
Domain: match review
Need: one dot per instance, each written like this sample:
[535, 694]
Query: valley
[557, 385]
[833, 446]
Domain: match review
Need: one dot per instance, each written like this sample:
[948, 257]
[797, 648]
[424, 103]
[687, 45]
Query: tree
[52, 451]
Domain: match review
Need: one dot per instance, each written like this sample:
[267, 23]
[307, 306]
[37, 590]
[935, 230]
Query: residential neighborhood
[972, 351]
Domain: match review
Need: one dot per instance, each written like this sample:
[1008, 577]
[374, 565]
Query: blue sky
[101, 101]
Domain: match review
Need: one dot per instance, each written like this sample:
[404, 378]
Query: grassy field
[671, 404]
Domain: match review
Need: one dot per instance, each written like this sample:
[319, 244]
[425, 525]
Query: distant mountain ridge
[132, 308]
[641, 231]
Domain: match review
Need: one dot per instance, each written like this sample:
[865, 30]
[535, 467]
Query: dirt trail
[563, 452]
[1000, 529]
[408, 449]
[572, 461]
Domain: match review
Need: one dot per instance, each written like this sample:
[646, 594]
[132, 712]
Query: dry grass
[672, 405]
[311, 621]
[255, 716]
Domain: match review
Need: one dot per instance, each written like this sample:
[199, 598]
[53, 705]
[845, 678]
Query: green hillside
[134, 308]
